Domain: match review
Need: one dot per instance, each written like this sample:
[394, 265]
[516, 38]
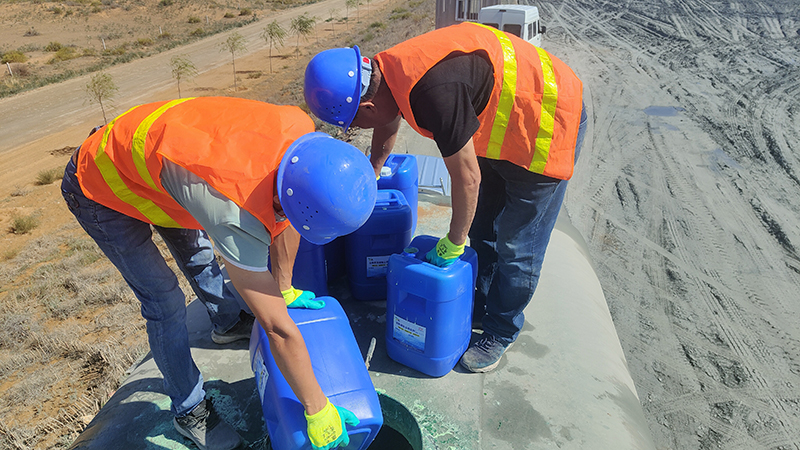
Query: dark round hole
[400, 430]
[390, 439]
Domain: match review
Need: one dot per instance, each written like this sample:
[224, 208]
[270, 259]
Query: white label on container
[377, 266]
[260, 370]
[409, 333]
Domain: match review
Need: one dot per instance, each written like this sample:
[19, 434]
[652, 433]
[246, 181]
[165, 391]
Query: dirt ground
[686, 191]
[688, 196]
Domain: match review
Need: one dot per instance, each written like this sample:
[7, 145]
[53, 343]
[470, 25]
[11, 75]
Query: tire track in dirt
[727, 25]
[776, 102]
[739, 344]
[726, 314]
[764, 130]
[753, 369]
[769, 22]
[673, 221]
[740, 348]
[723, 317]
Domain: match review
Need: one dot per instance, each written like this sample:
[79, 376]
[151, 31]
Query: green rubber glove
[327, 428]
[295, 298]
[444, 253]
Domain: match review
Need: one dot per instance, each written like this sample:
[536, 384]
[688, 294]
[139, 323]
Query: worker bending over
[232, 170]
[508, 120]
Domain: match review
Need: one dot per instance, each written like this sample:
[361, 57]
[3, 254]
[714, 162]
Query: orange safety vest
[534, 111]
[234, 144]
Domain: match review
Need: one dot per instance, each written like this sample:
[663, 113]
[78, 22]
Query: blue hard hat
[335, 80]
[326, 187]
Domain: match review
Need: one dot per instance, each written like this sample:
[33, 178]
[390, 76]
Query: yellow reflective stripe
[547, 117]
[139, 137]
[508, 92]
[114, 181]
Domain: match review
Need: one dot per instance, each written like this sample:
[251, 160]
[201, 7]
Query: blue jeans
[516, 213]
[128, 243]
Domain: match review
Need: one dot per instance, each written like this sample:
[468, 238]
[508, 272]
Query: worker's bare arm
[283, 252]
[260, 291]
[465, 176]
[383, 139]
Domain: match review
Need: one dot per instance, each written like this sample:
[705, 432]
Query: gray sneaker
[205, 428]
[241, 330]
[484, 355]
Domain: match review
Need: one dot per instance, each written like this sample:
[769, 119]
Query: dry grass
[24, 224]
[20, 191]
[48, 176]
[69, 329]
[69, 326]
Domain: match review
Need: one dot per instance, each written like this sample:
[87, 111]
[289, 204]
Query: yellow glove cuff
[447, 250]
[290, 295]
[325, 426]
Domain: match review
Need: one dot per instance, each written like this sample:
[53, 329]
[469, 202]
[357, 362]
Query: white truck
[519, 20]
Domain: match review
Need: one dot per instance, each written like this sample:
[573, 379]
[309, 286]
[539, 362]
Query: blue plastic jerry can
[310, 270]
[400, 172]
[367, 250]
[429, 308]
[339, 369]
[334, 259]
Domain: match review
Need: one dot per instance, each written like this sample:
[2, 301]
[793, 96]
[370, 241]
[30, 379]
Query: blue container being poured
[339, 369]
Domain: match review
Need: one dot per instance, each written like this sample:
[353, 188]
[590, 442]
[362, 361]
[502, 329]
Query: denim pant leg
[531, 203]
[128, 243]
[515, 216]
[194, 255]
[482, 235]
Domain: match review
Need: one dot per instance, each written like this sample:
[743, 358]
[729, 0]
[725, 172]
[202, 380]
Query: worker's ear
[376, 112]
[365, 115]
[368, 107]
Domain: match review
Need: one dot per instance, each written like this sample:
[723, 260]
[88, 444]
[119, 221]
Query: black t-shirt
[448, 99]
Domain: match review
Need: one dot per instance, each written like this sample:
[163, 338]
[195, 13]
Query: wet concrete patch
[510, 417]
[527, 345]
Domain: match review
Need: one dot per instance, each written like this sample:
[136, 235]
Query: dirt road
[688, 195]
[42, 112]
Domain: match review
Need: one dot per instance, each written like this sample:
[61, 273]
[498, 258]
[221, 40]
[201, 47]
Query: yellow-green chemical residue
[441, 430]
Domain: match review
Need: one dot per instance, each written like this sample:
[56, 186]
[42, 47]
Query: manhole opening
[400, 430]
[390, 439]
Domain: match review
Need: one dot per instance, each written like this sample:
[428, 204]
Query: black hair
[374, 82]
